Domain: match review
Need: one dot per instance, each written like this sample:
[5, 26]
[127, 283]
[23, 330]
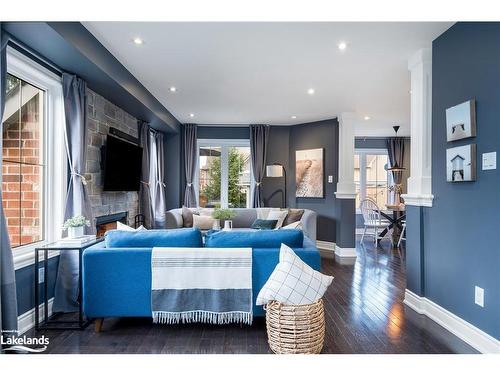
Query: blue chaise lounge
[117, 271]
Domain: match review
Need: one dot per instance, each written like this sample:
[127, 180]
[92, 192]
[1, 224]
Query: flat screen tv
[122, 165]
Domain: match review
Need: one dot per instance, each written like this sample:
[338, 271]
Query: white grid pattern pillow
[293, 282]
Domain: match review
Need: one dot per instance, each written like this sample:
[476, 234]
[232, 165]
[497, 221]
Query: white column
[419, 183]
[346, 189]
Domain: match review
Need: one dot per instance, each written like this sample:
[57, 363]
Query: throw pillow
[187, 217]
[277, 215]
[294, 215]
[262, 212]
[264, 224]
[121, 226]
[296, 225]
[203, 222]
[293, 282]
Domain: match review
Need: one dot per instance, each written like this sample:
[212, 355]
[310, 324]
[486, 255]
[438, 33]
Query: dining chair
[402, 236]
[372, 219]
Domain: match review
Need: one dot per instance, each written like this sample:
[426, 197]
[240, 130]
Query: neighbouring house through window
[224, 177]
[371, 176]
[34, 162]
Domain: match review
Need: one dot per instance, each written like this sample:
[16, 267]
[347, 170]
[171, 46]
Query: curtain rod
[32, 54]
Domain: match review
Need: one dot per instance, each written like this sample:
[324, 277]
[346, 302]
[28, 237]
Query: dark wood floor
[363, 308]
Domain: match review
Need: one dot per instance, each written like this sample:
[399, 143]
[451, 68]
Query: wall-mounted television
[122, 165]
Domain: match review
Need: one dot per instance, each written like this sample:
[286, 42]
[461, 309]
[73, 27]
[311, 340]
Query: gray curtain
[8, 300]
[77, 199]
[145, 206]
[259, 137]
[190, 157]
[159, 206]
[396, 151]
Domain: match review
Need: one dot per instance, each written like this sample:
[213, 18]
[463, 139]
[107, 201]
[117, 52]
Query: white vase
[216, 225]
[74, 232]
[228, 225]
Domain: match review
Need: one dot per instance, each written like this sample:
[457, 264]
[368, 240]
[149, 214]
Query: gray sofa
[245, 217]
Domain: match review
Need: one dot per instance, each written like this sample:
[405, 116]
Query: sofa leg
[98, 324]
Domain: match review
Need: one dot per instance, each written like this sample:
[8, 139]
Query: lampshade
[274, 170]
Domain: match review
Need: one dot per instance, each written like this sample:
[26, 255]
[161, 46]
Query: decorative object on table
[216, 285]
[309, 173]
[224, 214]
[396, 191]
[76, 241]
[295, 329]
[264, 224]
[293, 282]
[278, 170]
[461, 121]
[461, 163]
[76, 226]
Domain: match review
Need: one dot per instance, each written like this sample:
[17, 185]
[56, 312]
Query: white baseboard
[345, 252]
[26, 321]
[325, 245]
[472, 335]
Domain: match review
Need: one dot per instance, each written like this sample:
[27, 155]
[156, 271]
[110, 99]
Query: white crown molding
[345, 252]
[26, 321]
[472, 335]
[418, 200]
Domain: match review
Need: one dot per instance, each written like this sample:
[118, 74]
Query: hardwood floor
[363, 309]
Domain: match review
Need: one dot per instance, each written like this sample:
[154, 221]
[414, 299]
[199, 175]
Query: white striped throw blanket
[191, 285]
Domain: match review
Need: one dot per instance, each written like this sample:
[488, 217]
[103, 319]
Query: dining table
[395, 214]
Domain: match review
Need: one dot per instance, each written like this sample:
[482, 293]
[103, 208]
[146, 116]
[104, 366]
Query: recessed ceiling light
[311, 91]
[138, 41]
[367, 118]
[173, 89]
[191, 115]
[342, 46]
[294, 117]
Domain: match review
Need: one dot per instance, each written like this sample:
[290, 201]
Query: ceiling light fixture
[173, 89]
[191, 115]
[294, 117]
[342, 46]
[311, 91]
[367, 118]
[138, 41]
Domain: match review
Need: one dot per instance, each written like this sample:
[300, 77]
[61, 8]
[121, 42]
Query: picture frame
[309, 173]
[461, 121]
[461, 163]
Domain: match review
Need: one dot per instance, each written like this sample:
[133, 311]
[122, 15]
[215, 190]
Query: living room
[249, 187]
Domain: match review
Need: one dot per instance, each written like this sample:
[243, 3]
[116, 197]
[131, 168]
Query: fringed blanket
[191, 285]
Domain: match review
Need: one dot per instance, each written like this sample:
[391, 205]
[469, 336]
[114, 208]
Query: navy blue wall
[25, 281]
[460, 244]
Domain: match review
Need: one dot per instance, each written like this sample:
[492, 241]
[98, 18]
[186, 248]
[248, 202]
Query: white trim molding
[346, 189]
[325, 245]
[472, 335]
[419, 183]
[26, 321]
[345, 252]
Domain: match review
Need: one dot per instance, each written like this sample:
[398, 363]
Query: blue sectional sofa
[117, 271]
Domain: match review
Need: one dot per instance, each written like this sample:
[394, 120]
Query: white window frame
[224, 144]
[55, 158]
[362, 152]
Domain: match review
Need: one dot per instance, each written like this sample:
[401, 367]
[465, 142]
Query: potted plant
[226, 215]
[76, 225]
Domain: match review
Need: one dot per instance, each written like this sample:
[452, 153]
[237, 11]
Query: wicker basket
[295, 329]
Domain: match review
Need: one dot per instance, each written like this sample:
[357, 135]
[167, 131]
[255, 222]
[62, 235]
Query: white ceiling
[242, 73]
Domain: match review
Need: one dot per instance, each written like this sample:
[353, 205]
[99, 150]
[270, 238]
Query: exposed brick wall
[22, 183]
[101, 115]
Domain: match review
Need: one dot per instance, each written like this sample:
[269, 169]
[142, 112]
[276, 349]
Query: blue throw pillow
[268, 239]
[264, 224]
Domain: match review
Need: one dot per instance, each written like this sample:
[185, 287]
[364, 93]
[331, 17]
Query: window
[224, 173]
[370, 176]
[33, 156]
